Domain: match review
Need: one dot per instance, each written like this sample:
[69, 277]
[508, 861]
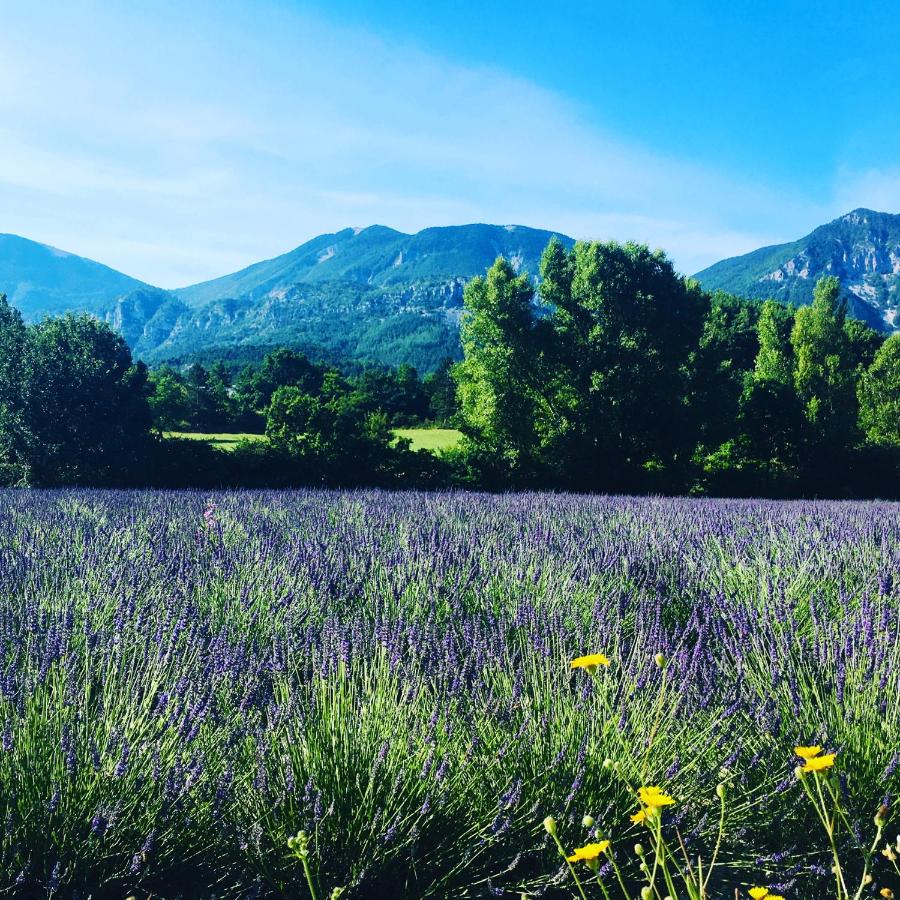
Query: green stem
[309, 877]
[619, 877]
[705, 881]
[562, 853]
[868, 862]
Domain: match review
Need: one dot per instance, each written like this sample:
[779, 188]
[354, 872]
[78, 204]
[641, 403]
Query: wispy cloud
[200, 144]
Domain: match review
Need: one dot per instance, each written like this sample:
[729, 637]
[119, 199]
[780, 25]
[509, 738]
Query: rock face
[861, 248]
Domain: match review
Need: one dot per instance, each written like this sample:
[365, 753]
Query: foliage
[73, 408]
[879, 395]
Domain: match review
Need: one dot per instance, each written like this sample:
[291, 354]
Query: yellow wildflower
[761, 893]
[654, 797]
[639, 816]
[887, 893]
[588, 851]
[590, 662]
[819, 763]
[807, 752]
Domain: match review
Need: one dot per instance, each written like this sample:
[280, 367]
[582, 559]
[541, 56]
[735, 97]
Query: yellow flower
[588, 853]
[760, 893]
[638, 817]
[887, 893]
[654, 797]
[819, 763]
[590, 662]
[807, 752]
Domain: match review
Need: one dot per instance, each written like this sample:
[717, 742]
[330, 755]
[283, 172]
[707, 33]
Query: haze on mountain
[380, 295]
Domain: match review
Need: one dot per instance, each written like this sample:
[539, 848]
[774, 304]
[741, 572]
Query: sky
[180, 141]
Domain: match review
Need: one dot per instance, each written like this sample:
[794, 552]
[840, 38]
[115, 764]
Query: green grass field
[434, 439]
[222, 441]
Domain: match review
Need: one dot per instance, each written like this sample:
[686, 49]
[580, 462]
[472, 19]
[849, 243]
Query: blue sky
[178, 141]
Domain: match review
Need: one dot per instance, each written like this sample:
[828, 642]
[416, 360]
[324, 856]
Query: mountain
[41, 280]
[861, 248]
[381, 257]
[371, 294]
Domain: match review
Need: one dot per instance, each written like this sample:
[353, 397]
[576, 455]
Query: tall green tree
[84, 405]
[500, 406]
[169, 400]
[775, 358]
[879, 395]
[13, 350]
[625, 327]
[824, 372]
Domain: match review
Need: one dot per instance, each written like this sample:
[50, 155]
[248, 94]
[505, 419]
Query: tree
[335, 441]
[824, 372]
[169, 400]
[501, 358]
[13, 343]
[440, 388]
[775, 359]
[85, 409]
[280, 368]
[624, 328]
[879, 395]
[726, 353]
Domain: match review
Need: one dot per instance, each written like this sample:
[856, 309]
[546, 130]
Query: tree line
[618, 374]
[611, 373]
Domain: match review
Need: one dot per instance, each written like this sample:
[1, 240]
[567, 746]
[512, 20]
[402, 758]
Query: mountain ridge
[861, 247]
[386, 296]
[40, 279]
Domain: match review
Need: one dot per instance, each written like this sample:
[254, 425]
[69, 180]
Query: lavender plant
[186, 680]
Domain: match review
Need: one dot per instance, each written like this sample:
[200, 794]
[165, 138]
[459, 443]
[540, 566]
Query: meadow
[189, 679]
[433, 439]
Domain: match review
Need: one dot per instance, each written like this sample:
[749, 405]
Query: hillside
[365, 294]
[41, 280]
[382, 257]
[861, 248]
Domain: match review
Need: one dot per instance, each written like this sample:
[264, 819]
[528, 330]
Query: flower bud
[550, 826]
[646, 893]
[659, 659]
[798, 771]
[881, 816]
[720, 790]
[588, 821]
[609, 764]
[867, 878]
[639, 849]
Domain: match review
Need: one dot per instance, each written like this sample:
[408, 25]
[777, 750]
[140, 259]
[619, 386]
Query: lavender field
[188, 679]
